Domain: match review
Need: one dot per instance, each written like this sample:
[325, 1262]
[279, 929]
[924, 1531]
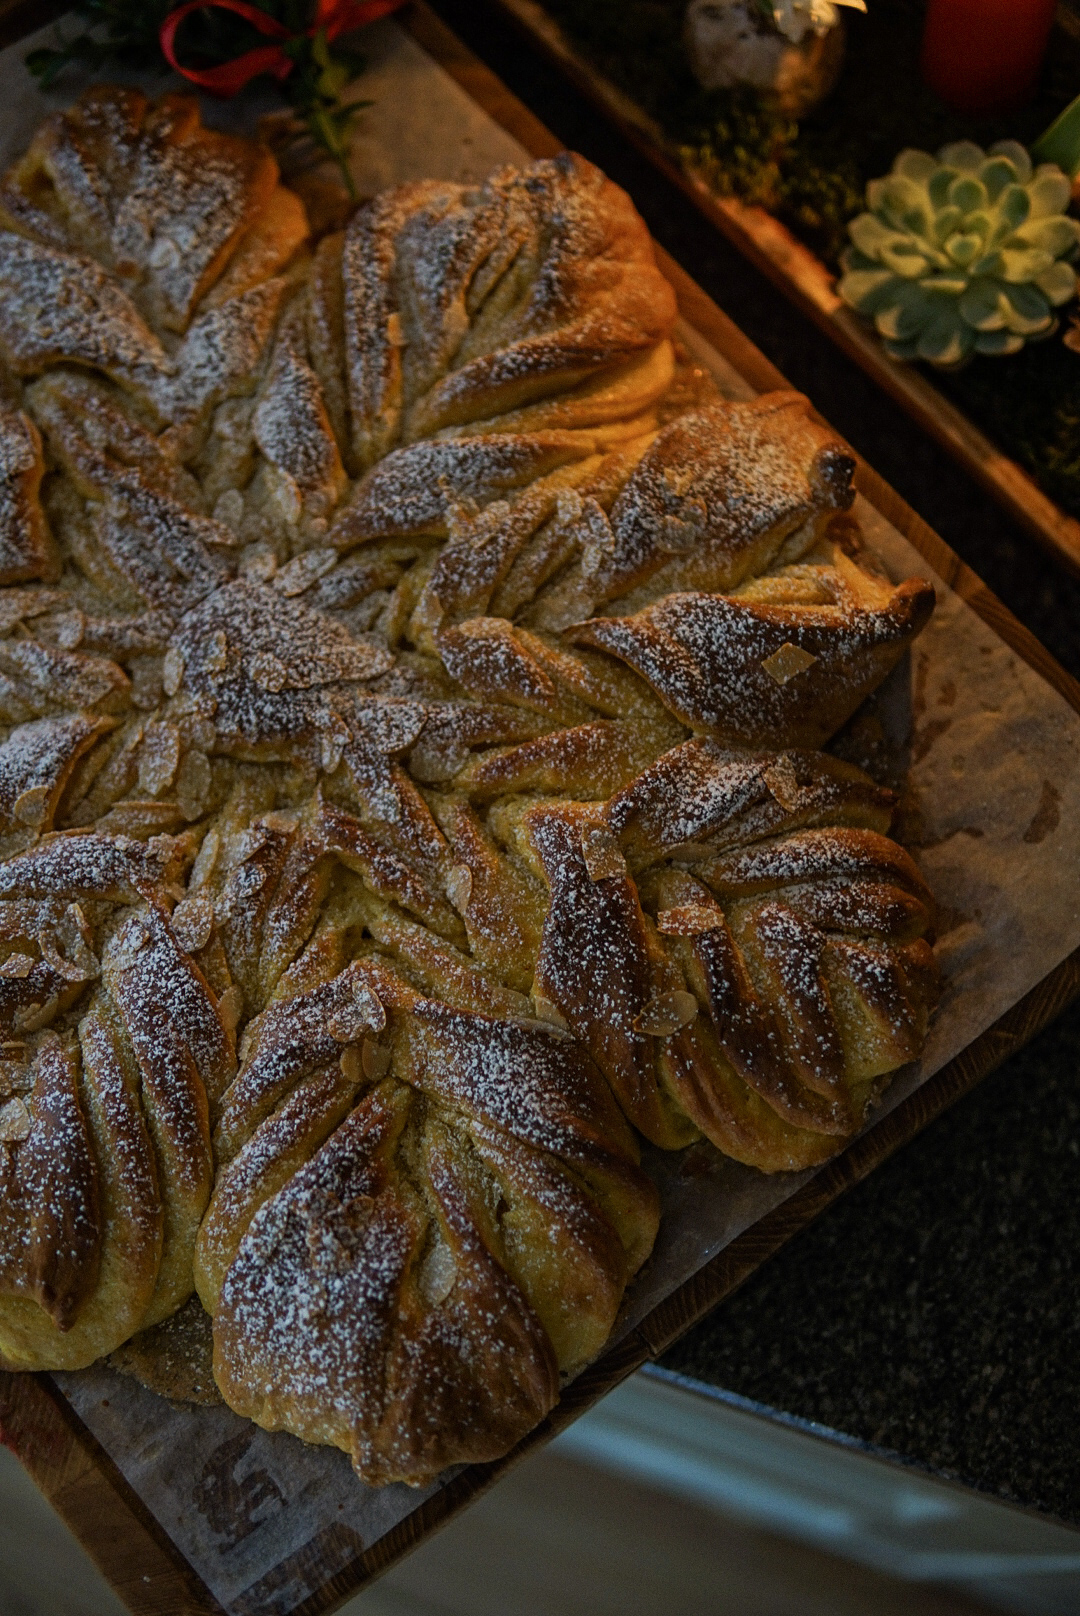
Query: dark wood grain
[71, 1469]
[804, 279]
[79, 1479]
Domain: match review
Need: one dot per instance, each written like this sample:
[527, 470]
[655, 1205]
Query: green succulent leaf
[904, 257]
[1013, 206]
[1056, 236]
[998, 343]
[905, 313]
[945, 285]
[964, 155]
[867, 290]
[1014, 153]
[963, 250]
[904, 205]
[946, 221]
[938, 188]
[875, 197]
[990, 266]
[915, 165]
[1050, 191]
[852, 258]
[1026, 310]
[997, 174]
[946, 340]
[1020, 264]
[1057, 284]
[966, 252]
[870, 235]
[981, 306]
[967, 193]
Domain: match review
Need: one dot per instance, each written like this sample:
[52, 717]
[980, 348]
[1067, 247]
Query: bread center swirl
[413, 675]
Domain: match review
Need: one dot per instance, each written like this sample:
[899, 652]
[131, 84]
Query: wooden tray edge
[803, 278]
[129, 1547]
[75, 1474]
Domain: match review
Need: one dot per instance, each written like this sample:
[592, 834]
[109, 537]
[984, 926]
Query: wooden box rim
[805, 280]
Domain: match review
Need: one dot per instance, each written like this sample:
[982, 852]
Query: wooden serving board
[73, 1470]
[803, 278]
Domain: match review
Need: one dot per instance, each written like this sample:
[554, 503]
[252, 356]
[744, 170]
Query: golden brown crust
[794, 948]
[514, 1142]
[26, 547]
[753, 674]
[130, 1120]
[51, 1247]
[466, 303]
[352, 1251]
[379, 664]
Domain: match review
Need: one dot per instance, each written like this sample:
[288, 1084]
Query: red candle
[984, 55]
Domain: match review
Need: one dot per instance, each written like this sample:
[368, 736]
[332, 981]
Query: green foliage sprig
[125, 33]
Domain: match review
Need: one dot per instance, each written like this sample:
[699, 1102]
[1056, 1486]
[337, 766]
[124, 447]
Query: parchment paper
[992, 808]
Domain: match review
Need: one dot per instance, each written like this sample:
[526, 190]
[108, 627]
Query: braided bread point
[482, 1192]
[410, 676]
[739, 947]
[104, 1097]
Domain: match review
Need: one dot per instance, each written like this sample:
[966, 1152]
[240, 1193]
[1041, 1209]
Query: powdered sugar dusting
[357, 859]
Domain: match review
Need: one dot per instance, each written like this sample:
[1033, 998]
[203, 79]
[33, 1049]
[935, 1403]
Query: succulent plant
[966, 252]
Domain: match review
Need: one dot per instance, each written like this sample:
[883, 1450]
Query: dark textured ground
[934, 1311]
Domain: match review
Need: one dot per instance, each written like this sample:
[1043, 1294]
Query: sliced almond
[333, 738]
[679, 479]
[369, 1007]
[459, 887]
[268, 671]
[602, 853]
[129, 941]
[193, 782]
[689, 919]
[375, 1059]
[172, 671]
[260, 564]
[351, 1063]
[15, 1122]
[438, 1274]
[285, 492]
[216, 656]
[68, 629]
[81, 966]
[15, 1078]
[229, 508]
[31, 804]
[549, 1013]
[788, 661]
[17, 966]
[667, 1013]
[199, 732]
[783, 781]
[32, 1017]
[159, 758]
[193, 921]
[303, 570]
[231, 1008]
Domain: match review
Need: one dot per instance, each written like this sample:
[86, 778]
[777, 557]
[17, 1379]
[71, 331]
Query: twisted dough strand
[410, 678]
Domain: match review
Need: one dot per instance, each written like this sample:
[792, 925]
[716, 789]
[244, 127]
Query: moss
[813, 175]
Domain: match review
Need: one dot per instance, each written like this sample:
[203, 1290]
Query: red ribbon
[333, 16]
